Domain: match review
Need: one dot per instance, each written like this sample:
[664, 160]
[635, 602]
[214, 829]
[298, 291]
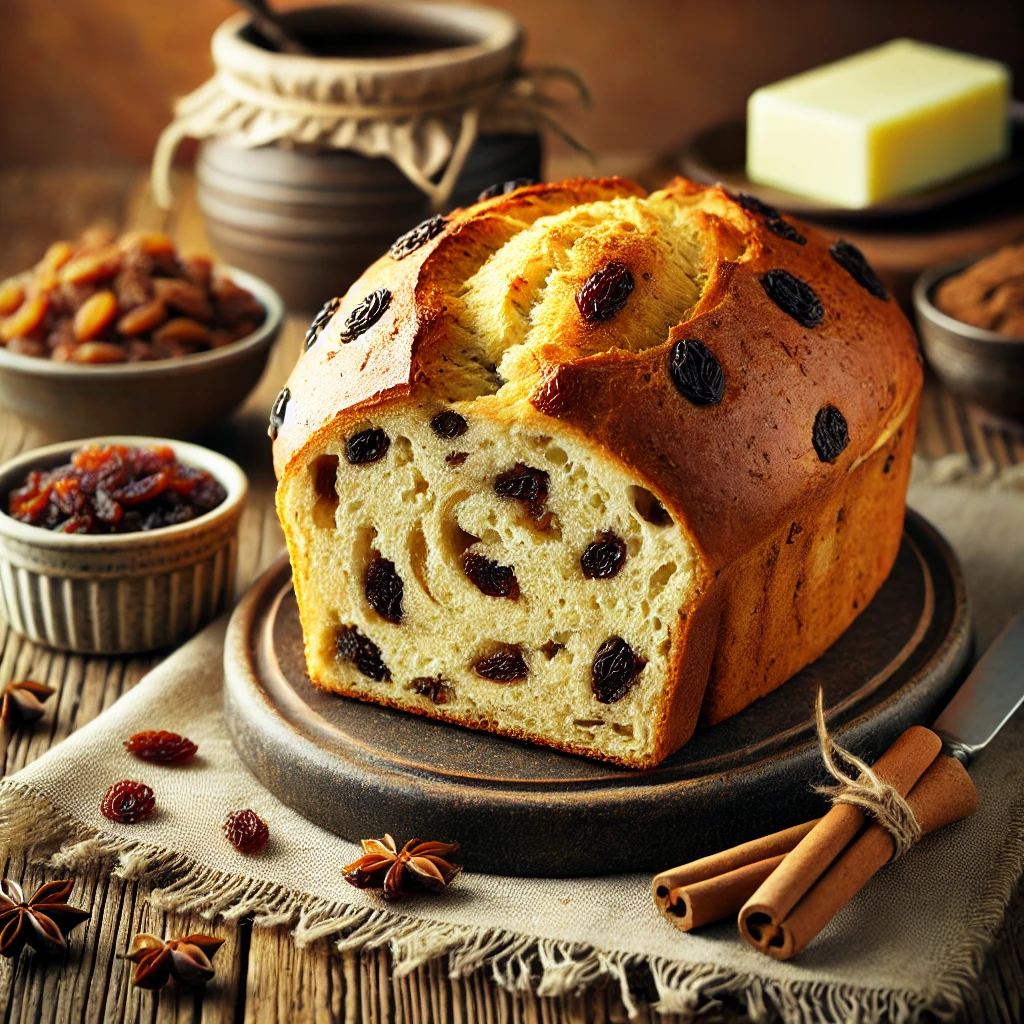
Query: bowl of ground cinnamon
[970, 315]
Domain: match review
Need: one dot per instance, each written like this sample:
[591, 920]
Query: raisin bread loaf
[582, 465]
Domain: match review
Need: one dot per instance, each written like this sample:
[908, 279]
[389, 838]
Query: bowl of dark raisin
[117, 545]
[127, 335]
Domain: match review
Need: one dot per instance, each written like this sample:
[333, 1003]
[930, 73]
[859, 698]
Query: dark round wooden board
[361, 770]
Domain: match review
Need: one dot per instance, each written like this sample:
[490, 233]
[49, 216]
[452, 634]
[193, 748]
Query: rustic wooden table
[261, 976]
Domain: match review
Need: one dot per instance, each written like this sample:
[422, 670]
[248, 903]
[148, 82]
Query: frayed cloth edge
[31, 823]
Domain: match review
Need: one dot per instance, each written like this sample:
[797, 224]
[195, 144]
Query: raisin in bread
[582, 465]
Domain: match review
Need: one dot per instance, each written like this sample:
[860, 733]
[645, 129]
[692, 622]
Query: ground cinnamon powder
[989, 293]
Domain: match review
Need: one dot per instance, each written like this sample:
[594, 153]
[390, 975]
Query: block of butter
[886, 122]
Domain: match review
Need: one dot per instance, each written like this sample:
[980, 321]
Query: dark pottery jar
[311, 222]
[311, 166]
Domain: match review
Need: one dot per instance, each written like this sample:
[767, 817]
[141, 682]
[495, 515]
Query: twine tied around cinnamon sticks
[866, 791]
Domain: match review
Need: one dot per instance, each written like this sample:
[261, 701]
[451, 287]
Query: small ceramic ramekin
[120, 593]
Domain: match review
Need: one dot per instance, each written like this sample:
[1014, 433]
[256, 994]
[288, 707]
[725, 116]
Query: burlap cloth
[911, 946]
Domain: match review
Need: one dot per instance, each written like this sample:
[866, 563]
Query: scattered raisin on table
[384, 589]
[793, 296]
[367, 446]
[449, 424]
[604, 557]
[366, 314]
[246, 831]
[505, 665]
[128, 802]
[489, 577]
[615, 667]
[830, 435]
[115, 489]
[161, 746]
[696, 372]
[362, 652]
[605, 292]
[412, 240]
[852, 260]
[327, 310]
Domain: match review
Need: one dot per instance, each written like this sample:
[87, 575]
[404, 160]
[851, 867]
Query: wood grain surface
[261, 975]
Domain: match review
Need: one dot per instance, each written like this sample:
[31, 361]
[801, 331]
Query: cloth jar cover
[913, 945]
[423, 111]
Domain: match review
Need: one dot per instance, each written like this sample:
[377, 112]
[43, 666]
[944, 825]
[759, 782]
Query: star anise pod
[23, 702]
[187, 960]
[42, 922]
[419, 865]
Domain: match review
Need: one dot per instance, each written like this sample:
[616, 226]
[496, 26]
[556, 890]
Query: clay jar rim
[497, 33]
[924, 289]
[226, 471]
[198, 362]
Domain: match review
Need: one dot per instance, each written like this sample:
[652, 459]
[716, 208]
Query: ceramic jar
[311, 166]
[311, 223]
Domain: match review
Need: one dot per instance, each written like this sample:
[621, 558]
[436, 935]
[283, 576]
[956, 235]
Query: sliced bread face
[493, 574]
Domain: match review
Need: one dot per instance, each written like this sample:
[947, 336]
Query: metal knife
[987, 698]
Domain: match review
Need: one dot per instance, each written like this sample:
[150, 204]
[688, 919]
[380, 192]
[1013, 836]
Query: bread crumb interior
[421, 512]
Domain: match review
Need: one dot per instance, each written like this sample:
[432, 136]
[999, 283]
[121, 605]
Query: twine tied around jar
[425, 116]
[865, 790]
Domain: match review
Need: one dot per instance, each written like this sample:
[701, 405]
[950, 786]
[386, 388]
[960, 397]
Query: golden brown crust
[334, 378]
[731, 472]
[737, 475]
[790, 598]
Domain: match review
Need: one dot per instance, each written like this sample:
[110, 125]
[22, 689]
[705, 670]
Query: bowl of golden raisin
[125, 334]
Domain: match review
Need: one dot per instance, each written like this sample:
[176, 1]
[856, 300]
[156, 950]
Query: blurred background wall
[91, 81]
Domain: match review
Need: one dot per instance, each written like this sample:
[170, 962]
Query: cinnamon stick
[944, 794]
[714, 887]
[900, 766]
